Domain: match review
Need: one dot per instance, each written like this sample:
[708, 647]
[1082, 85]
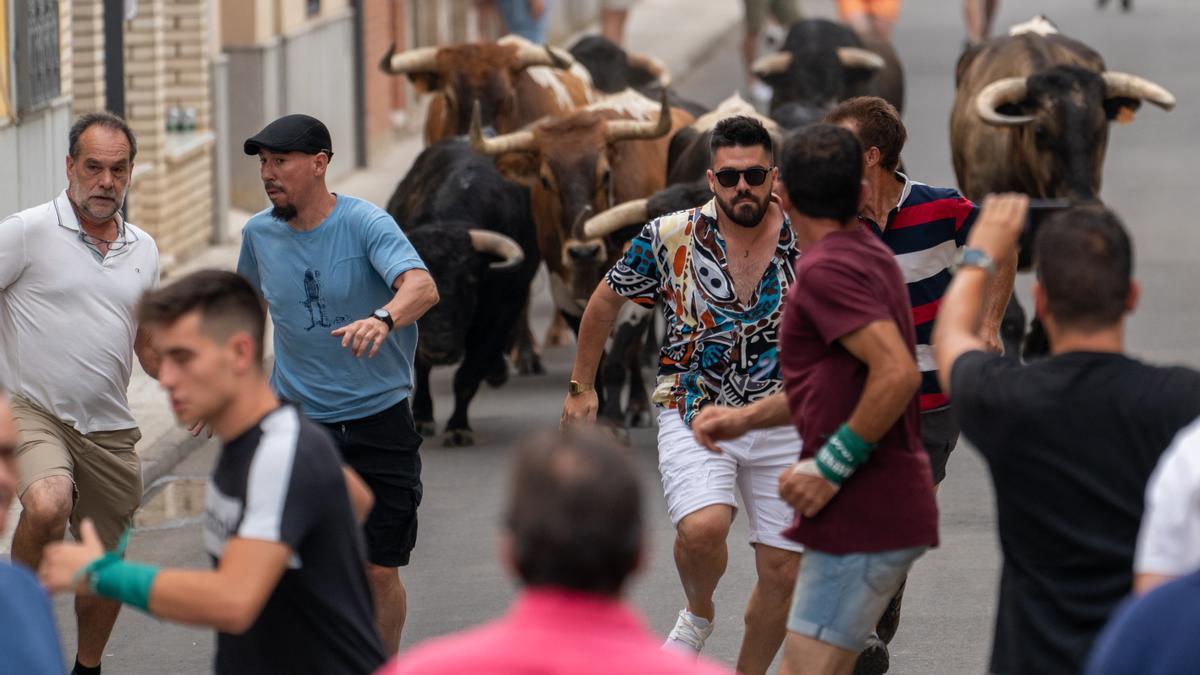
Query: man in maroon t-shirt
[863, 491]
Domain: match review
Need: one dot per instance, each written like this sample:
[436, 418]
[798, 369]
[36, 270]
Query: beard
[285, 213]
[745, 210]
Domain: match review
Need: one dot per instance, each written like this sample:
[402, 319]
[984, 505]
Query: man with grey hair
[71, 272]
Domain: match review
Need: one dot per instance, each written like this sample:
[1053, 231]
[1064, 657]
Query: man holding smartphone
[1071, 440]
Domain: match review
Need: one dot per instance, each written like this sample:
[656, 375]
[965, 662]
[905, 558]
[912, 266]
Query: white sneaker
[686, 636]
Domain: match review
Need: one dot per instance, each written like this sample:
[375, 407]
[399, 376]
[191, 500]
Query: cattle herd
[537, 155]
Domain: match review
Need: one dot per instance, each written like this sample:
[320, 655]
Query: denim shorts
[839, 598]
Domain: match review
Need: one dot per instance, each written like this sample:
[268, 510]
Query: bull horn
[530, 54]
[651, 65]
[622, 215]
[494, 243]
[996, 94]
[772, 64]
[629, 130]
[1132, 86]
[422, 59]
[857, 57]
[517, 140]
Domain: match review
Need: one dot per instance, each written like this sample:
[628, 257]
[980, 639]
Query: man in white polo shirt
[71, 272]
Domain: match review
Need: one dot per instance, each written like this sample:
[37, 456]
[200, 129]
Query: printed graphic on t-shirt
[315, 304]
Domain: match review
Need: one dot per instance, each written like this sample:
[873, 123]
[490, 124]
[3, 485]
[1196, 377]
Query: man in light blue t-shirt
[345, 289]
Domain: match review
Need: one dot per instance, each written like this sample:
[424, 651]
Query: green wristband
[124, 581]
[842, 454]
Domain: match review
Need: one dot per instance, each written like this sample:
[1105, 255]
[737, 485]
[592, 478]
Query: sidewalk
[653, 27]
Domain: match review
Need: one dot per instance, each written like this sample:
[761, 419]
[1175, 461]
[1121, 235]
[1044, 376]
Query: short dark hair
[739, 130]
[104, 119]
[822, 170]
[878, 124]
[575, 513]
[226, 301]
[1084, 262]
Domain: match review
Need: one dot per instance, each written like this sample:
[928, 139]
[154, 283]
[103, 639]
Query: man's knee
[46, 506]
[777, 568]
[704, 529]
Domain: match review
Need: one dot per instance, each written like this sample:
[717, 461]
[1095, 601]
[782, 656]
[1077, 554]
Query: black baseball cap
[291, 133]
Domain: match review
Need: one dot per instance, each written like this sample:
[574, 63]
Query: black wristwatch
[384, 316]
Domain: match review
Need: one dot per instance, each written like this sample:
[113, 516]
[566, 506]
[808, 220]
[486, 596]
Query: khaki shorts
[105, 470]
[784, 11]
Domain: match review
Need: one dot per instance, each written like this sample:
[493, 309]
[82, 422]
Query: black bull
[447, 204]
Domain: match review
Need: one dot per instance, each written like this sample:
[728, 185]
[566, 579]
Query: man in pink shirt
[573, 536]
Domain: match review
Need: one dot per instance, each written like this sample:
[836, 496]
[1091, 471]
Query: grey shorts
[939, 435]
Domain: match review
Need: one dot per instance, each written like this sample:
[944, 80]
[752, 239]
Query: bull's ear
[1121, 108]
[425, 81]
[520, 167]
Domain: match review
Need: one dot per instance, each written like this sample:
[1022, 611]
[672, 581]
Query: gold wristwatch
[578, 387]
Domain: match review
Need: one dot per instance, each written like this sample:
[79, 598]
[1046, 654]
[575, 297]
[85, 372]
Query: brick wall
[383, 22]
[166, 63]
[87, 48]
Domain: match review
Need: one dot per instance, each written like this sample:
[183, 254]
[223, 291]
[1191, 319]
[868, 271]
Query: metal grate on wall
[36, 59]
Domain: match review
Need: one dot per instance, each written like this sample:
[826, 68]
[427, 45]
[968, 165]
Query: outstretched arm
[594, 329]
[229, 598]
[956, 331]
[722, 423]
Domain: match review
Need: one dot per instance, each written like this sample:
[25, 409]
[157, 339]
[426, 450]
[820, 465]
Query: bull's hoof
[558, 334]
[498, 375]
[426, 428]
[458, 438]
[529, 363]
[638, 418]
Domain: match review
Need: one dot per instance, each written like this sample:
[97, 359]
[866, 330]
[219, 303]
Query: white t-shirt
[1169, 540]
[66, 315]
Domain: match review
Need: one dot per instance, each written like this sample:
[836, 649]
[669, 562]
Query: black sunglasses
[754, 176]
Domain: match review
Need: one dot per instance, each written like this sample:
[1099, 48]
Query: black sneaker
[874, 659]
[886, 628]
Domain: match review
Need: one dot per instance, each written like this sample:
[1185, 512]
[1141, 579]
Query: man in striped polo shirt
[925, 227]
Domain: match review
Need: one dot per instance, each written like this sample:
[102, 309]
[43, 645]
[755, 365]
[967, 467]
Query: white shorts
[694, 477]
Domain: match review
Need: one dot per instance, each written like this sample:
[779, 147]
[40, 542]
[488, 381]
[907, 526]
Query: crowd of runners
[832, 326]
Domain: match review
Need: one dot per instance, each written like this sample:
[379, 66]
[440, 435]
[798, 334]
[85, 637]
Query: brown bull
[1031, 114]
[513, 81]
[578, 165]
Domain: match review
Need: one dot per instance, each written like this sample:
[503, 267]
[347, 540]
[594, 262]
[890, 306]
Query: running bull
[514, 82]
[576, 165]
[472, 229]
[1031, 115]
[823, 63]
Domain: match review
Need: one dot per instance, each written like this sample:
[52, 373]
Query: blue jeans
[839, 598]
[520, 21]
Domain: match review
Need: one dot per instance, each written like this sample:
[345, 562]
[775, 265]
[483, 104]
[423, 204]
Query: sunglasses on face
[754, 176]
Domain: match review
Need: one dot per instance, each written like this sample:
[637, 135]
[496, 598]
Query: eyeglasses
[115, 245]
[754, 176]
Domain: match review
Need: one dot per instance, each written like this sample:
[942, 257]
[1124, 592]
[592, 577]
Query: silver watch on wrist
[973, 257]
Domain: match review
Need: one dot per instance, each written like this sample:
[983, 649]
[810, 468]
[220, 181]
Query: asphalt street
[455, 581]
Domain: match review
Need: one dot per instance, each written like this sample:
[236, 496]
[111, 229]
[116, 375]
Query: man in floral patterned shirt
[721, 271]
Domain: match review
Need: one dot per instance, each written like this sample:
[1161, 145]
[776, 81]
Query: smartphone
[1039, 211]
